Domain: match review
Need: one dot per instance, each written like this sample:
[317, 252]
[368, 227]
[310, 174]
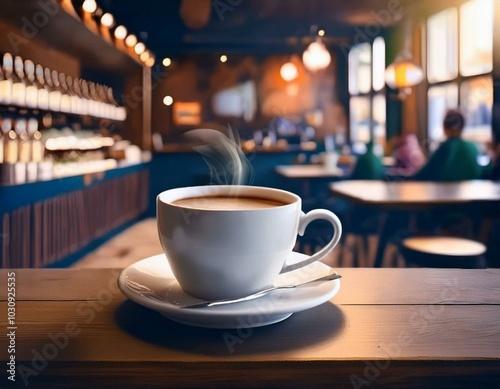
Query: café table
[407, 328]
[310, 172]
[415, 196]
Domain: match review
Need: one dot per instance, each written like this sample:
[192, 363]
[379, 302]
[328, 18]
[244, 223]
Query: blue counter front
[53, 223]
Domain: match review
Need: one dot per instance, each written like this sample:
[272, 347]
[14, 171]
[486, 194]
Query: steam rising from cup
[223, 155]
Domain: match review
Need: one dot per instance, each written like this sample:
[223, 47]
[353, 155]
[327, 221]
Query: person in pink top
[408, 155]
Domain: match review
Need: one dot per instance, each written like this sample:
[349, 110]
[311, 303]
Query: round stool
[446, 252]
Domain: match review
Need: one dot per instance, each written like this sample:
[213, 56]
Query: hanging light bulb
[404, 72]
[289, 71]
[316, 56]
[107, 20]
[120, 32]
[89, 6]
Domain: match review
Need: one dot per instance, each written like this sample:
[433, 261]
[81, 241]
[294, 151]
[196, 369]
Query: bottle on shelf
[35, 150]
[52, 80]
[93, 105]
[18, 83]
[10, 142]
[43, 88]
[65, 95]
[24, 150]
[1, 146]
[73, 97]
[5, 87]
[31, 87]
[84, 93]
[10, 151]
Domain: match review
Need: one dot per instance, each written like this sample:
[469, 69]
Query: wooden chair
[443, 252]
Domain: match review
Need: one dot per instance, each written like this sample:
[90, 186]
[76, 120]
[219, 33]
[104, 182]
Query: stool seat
[439, 251]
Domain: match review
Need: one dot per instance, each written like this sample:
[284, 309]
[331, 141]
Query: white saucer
[155, 287]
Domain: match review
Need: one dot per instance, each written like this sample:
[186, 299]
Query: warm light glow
[168, 100]
[107, 20]
[150, 62]
[89, 6]
[120, 32]
[289, 71]
[316, 56]
[223, 58]
[403, 73]
[131, 40]
[321, 32]
[144, 56]
[139, 48]
[166, 62]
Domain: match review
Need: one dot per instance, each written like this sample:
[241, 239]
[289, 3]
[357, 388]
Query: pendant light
[316, 56]
[404, 72]
[289, 71]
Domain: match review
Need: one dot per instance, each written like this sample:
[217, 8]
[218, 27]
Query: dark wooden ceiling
[254, 26]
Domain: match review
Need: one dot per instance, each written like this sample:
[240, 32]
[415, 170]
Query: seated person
[408, 155]
[455, 159]
[368, 166]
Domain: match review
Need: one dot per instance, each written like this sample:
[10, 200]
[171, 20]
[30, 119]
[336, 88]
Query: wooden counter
[407, 328]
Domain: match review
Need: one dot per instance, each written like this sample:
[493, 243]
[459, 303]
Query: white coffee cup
[330, 160]
[229, 253]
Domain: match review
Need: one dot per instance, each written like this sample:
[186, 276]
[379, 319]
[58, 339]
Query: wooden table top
[409, 328]
[308, 171]
[417, 193]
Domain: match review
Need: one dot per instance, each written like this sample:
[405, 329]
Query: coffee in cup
[229, 241]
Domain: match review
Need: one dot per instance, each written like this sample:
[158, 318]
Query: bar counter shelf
[53, 223]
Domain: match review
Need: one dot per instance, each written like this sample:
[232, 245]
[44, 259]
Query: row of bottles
[34, 149]
[22, 152]
[26, 85]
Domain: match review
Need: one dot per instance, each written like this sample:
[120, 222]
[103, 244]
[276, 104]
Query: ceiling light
[404, 72]
[131, 40]
[139, 48]
[120, 32]
[316, 56]
[289, 71]
[168, 100]
[321, 33]
[89, 6]
[107, 20]
[166, 62]
[144, 56]
[150, 62]
[223, 58]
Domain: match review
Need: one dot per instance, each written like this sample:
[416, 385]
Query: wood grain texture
[407, 328]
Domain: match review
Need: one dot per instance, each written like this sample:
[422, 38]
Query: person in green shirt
[455, 159]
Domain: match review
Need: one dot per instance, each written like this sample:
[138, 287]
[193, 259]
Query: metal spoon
[328, 277]
[145, 291]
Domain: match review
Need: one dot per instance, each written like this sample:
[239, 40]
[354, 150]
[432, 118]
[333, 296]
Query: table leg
[383, 238]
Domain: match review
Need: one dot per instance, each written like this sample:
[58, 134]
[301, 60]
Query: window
[442, 46]
[440, 98]
[476, 100]
[459, 66]
[366, 87]
[476, 37]
[360, 69]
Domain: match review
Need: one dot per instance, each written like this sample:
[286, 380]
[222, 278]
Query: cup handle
[305, 219]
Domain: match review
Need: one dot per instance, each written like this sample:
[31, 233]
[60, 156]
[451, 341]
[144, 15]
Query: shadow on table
[302, 329]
